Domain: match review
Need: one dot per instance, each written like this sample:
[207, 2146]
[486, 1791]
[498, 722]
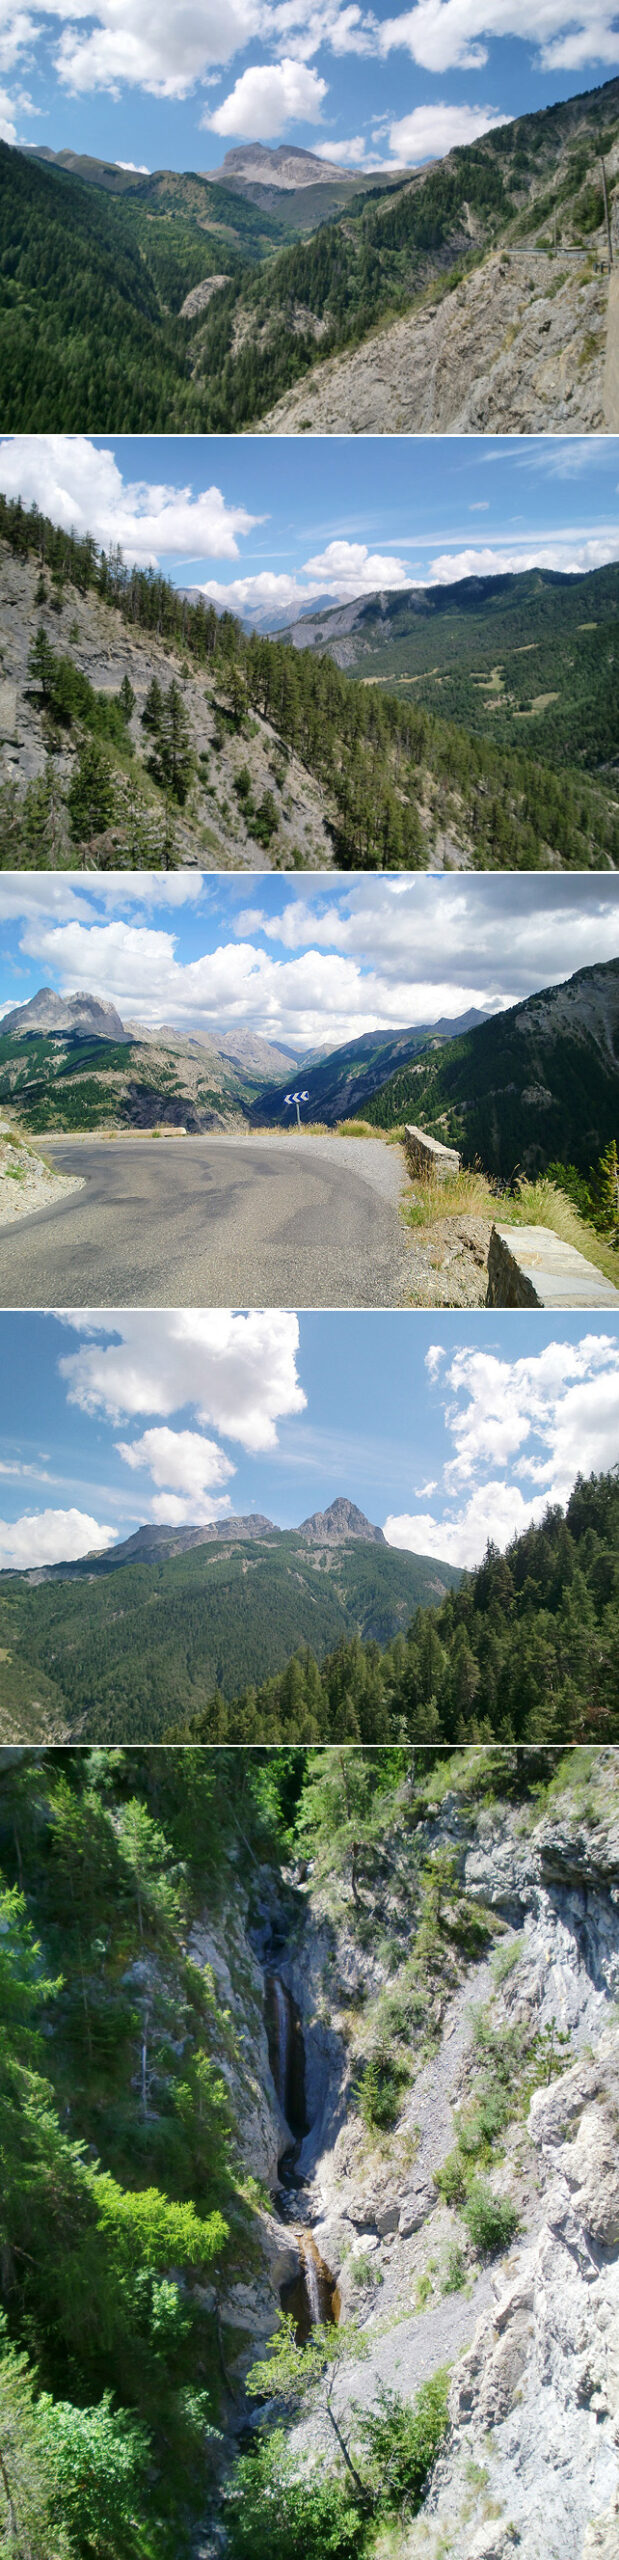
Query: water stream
[311, 2295]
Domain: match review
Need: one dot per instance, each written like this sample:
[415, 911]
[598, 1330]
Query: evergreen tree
[91, 797]
[126, 699]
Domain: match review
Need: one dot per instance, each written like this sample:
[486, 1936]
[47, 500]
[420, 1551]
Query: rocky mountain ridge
[337, 1526]
[48, 1012]
[529, 2329]
[285, 166]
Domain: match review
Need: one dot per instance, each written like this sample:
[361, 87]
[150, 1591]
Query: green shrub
[491, 2220]
[379, 2093]
[272, 2513]
[451, 2178]
[403, 2438]
[454, 2276]
[365, 2271]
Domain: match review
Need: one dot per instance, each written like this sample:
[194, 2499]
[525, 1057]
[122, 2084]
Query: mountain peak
[287, 166]
[48, 1012]
[342, 1520]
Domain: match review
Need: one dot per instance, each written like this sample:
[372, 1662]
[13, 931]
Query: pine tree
[91, 798]
[42, 663]
[174, 753]
[126, 699]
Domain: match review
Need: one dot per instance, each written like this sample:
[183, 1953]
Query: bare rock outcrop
[518, 347]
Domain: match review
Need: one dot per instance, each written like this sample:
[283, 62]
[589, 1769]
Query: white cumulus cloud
[432, 130]
[83, 490]
[237, 1372]
[495, 1510]
[373, 954]
[267, 97]
[445, 35]
[145, 44]
[344, 570]
[189, 1467]
[572, 554]
[541, 1420]
[51, 1537]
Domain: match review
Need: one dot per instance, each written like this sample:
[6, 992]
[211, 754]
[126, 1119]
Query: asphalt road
[214, 1221]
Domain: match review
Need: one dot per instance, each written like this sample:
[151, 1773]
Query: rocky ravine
[531, 2464]
[525, 345]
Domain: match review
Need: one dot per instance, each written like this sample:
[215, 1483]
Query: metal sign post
[296, 1097]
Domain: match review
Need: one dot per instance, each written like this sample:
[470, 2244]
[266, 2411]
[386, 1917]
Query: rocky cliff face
[515, 1992]
[524, 345]
[106, 649]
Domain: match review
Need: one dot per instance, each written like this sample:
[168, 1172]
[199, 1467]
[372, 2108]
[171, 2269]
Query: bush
[379, 2093]
[365, 2272]
[403, 2438]
[273, 2513]
[455, 2270]
[491, 2220]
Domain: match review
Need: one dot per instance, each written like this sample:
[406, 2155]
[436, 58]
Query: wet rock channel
[311, 2296]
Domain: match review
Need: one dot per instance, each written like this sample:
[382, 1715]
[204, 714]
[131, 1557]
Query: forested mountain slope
[536, 648]
[94, 283]
[324, 2033]
[77, 1080]
[537, 1084]
[92, 286]
[74, 1064]
[139, 727]
[525, 1651]
[339, 1083]
[121, 1649]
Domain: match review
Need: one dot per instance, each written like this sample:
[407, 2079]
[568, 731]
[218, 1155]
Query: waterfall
[312, 2267]
[281, 2026]
[286, 2053]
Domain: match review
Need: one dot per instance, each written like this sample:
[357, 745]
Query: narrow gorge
[310, 2213]
[438, 2068]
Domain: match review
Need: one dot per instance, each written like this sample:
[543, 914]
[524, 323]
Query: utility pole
[606, 212]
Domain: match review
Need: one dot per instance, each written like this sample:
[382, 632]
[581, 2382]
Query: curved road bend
[214, 1221]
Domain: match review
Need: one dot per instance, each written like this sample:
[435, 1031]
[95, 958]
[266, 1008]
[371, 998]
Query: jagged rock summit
[151, 1545]
[342, 1520]
[81, 1012]
[287, 166]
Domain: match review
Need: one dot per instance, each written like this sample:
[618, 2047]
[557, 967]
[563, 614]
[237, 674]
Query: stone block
[531, 1267]
[427, 1157]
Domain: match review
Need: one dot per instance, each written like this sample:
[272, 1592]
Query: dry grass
[356, 1129]
[464, 1194]
[534, 1204]
[539, 1204]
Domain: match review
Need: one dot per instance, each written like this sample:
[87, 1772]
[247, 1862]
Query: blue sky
[268, 526]
[443, 1436]
[317, 961]
[157, 86]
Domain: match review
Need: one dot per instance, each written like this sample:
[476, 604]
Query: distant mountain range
[521, 655]
[118, 1647]
[340, 1082]
[156, 1544]
[375, 301]
[292, 190]
[529, 1084]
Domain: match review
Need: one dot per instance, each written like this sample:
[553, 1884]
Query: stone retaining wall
[427, 1157]
[531, 1267]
